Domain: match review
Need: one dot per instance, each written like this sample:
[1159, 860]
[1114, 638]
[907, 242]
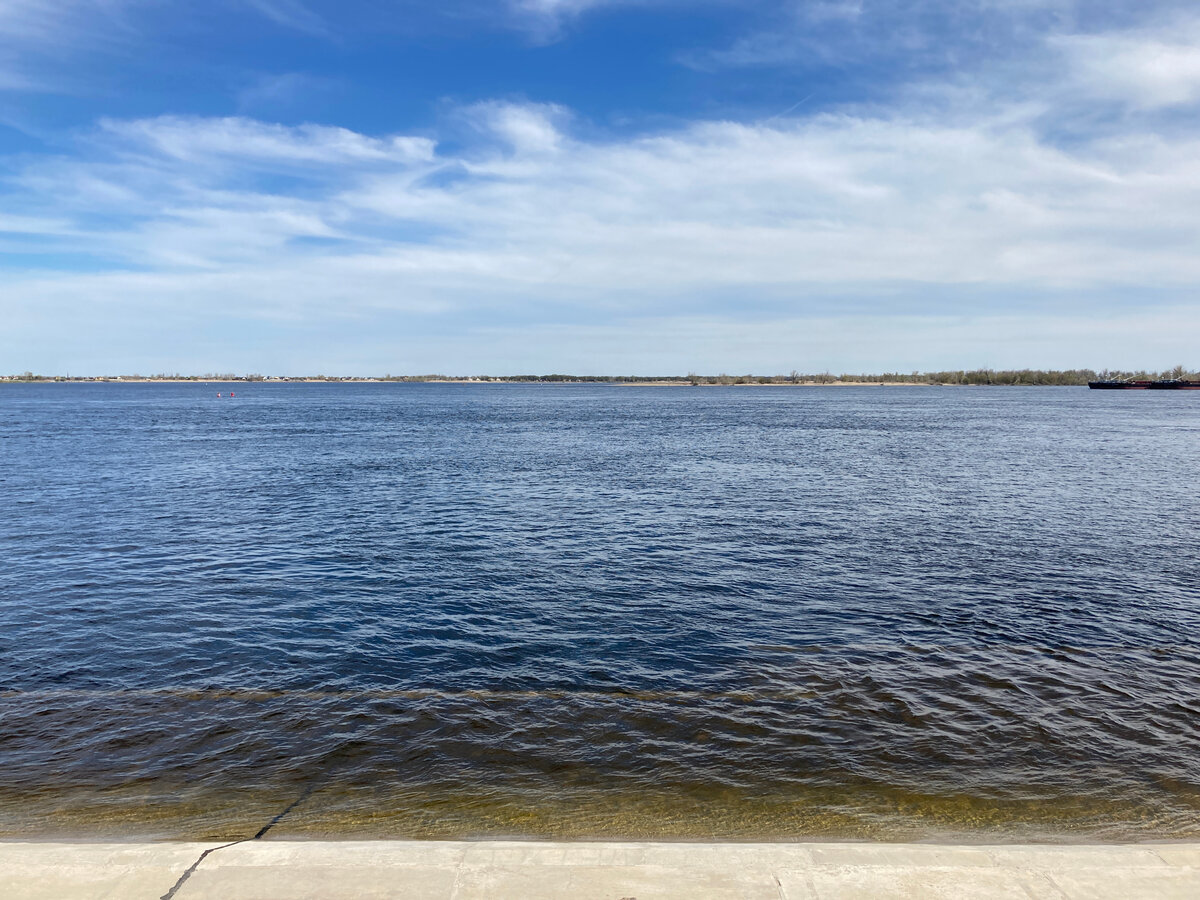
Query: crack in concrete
[257, 836]
[194, 866]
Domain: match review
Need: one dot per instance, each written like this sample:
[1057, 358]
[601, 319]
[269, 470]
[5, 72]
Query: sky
[598, 186]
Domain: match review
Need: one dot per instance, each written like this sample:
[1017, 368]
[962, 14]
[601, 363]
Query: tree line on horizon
[1014, 377]
[1066, 377]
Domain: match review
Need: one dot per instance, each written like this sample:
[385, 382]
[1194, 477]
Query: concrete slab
[1077, 857]
[317, 870]
[600, 853]
[1130, 884]
[44, 871]
[305, 882]
[899, 855]
[614, 883]
[505, 870]
[1178, 854]
[347, 854]
[881, 882]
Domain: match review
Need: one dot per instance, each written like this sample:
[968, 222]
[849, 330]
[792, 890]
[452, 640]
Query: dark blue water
[462, 610]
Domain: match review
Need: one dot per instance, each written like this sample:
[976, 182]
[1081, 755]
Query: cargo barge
[1170, 384]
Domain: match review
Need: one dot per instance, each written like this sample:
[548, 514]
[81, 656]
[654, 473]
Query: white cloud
[37, 35]
[715, 207]
[33, 225]
[556, 7]
[43, 43]
[198, 139]
[291, 14]
[271, 92]
[12, 79]
[1148, 71]
[525, 127]
[36, 19]
[834, 199]
[544, 20]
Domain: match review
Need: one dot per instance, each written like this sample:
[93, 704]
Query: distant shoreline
[501, 381]
[950, 377]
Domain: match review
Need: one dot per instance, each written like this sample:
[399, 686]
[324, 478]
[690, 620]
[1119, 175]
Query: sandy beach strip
[500, 870]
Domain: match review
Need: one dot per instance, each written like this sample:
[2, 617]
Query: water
[599, 611]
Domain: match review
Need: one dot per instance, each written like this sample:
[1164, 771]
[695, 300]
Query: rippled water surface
[599, 611]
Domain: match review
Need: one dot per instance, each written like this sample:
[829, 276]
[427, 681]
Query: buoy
[218, 393]
[232, 394]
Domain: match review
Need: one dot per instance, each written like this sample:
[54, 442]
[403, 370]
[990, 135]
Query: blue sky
[597, 186]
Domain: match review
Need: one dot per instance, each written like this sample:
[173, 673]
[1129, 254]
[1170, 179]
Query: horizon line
[983, 375]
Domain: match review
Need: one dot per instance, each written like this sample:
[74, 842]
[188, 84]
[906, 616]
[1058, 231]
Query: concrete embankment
[499, 870]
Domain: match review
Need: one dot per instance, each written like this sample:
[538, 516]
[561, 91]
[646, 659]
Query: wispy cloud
[13, 79]
[43, 42]
[528, 128]
[918, 35]
[291, 14]
[275, 92]
[249, 141]
[545, 20]
[39, 19]
[1146, 69]
[36, 35]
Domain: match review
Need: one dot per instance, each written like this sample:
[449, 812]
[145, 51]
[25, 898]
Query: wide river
[433, 610]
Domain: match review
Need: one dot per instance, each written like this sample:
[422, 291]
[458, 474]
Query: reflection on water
[445, 611]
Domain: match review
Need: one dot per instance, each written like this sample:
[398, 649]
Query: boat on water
[1169, 384]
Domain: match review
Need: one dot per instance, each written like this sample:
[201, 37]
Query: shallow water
[599, 611]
